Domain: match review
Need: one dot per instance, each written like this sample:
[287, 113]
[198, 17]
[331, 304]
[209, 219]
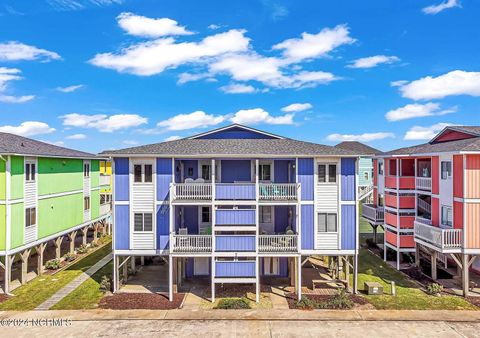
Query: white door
[200, 266]
[271, 266]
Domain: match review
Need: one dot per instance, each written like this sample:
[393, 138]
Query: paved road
[248, 328]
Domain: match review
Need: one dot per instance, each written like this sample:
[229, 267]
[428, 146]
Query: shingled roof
[232, 147]
[11, 144]
[358, 148]
[471, 144]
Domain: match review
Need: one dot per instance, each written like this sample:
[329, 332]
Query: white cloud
[398, 83]
[189, 77]
[435, 9]
[7, 75]
[75, 5]
[238, 88]
[28, 128]
[197, 119]
[16, 99]
[373, 61]
[102, 122]
[258, 115]
[15, 51]
[365, 137]
[147, 27]
[173, 138]
[69, 89]
[153, 57]
[213, 26]
[76, 137]
[457, 82]
[311, 46]
[296, 107]
[424, 133]
[414, 110]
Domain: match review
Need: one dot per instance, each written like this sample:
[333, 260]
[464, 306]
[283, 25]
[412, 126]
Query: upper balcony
[372, 213]
[441, 240]
[409, 174]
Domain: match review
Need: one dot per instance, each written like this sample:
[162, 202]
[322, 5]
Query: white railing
[104, 209]
[278, 191]
[364, 191]
[372, 213]
[424, 206]
[105, 179]
[192, 191]
[424, 183]
[438, 237]
[192, 243]
[277, 243]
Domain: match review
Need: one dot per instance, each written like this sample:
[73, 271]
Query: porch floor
[149, 278]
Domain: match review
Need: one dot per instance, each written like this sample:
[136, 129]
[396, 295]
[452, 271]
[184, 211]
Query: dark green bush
[340, 301]
[70, 257]
[52, 264]
[434, 289]
[233, 303]
[306, 303]
[82, 249]
[105, 284]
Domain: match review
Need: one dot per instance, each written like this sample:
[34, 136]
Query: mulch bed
[358, 301]
[146, 301]
[3, 297]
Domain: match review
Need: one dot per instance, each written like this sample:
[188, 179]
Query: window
[380, 200]
[142, 222]
[142, 173]
[206, 215]
[30, 171]
[86, 203]
[327, 173]
[380, 167]
[86, 169]
[365, 176]
[266, 214]
[265, 172]
[327, 222]
[447, 218]
[30, 217]
[446, 170]
[206, 172]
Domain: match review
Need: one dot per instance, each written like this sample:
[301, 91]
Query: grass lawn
[265, 302]
[88, 294]
[409, 296]
[35, 292]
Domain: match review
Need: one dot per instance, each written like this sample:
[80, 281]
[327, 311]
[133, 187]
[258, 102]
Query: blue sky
[109, 74]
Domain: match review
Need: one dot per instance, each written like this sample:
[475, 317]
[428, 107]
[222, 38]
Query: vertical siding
[235, 217]
[235, 269]
[235, 243]
[121, 179]
[457, 215]
[472, 226]
[473, 176]
[163, 226]
[435, 211]
[348, 227]
[225, 191]
[193, 164]
[375, 172]
[164, 178]
[365, 165]
[348, 179]
[236, 170]
[305, 178]
[122, 228]
[458, 176]
[435, 174]
[307, 227]
[280, 168]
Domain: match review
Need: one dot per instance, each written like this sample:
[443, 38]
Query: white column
[257, 282]
[170, 278]
[355, 273]
[299, 277]
[465, 276]
[213, 279]
[8, 272]
[115, 273]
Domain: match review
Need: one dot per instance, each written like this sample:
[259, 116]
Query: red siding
[407, 183]
[472, 226]
[435, 211]
[375, 172]
[390, 219]
[450, 135]
[375, 197]
[406, 222]
[458, 176]
[472, 176]
[435, 175]
[407, 241]
[391, 237]
[391, 182]
[390, 200]
[407, 202]
[457, 215]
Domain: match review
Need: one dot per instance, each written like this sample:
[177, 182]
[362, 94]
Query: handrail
[278, 243]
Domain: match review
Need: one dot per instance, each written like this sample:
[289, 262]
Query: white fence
[278, 191]
[372, 213]
[192, 191]
[424, 183]
[105, 179]
[277, 243]
[192, 243]
[438, 237]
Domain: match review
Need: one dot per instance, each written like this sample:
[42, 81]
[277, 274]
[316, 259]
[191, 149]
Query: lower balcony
[191, 244]
[278, 243]
[373, 214]
[236, 243]
[441, 240]
[235, 269]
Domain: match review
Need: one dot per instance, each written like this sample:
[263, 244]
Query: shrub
[306, 303]
[233, 303]
[69, 257]
[340, 301]
[105, 284]
[434, 289]
[52, 264]
[82, 249]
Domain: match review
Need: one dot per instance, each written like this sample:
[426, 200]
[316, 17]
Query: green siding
[58, 175]
[17, 225]
[3, 233]
[59, 213]
[365, 165]
[16, 171]
[94, 204]
[3, 187]
[94, 173]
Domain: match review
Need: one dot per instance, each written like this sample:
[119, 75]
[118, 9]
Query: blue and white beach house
[235, 204]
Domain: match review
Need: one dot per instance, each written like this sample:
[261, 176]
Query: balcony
[105, 179]
[235, 191]
[404, 182]
[191, 244]
[405, 221]
[374, 214]
[278, 243]
[424, 183]
[192, 191]
[442, 240]
[278, 191]
[228, 243]
[235, 269]
[229, 217]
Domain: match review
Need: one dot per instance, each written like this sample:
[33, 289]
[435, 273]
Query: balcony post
[170, 278]
[257, 279]
[214, 177]
[434, 265]
[465, 275]
[213, 277]
[299, 277]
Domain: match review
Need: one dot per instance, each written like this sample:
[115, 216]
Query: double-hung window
[265, 172]
[30, 217]
[446, 170]
[327, 173]
[327, 222]
[447, 217]
[206, 216]
[29, 172]
[380, 167]
[142, 173]
[266, 214]
[142, 222]
[86, 203]
[86, 169]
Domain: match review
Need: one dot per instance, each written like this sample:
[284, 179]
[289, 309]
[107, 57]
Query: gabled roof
[358, 148]
[469, 131]
[11, 144]
[466, 145]
[235, 126]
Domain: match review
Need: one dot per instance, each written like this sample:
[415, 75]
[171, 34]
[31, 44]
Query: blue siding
[235, 269]
[305, 178]
[236, 170]
[349, 237]
[307, 227]
[235, 243]
[122, 228]
[236, 133]
[189, 268]
[233, 191]
[235, 217]
[121, 179]
[348, 179]
[280, 168]
[281, 219]
[190, 164]
[190, 218]
[164, 178]
[163, 228]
